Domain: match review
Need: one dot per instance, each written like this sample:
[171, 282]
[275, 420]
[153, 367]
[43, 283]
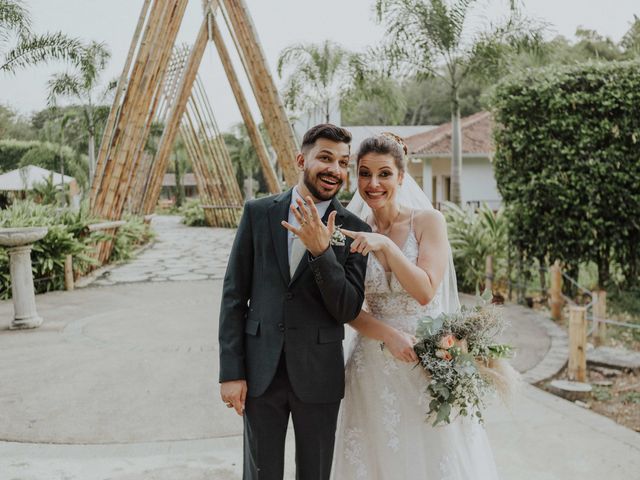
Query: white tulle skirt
[382, 432]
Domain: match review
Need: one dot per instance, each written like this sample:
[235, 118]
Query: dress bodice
[388, 301]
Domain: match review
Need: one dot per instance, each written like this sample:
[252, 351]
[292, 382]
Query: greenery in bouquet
[460, 355]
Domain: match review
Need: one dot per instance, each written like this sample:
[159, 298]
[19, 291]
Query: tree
[13, 125]
[81, 86]
[630, 43]
[433, 38]
[243, 156]
[29, 48]
[321, 73]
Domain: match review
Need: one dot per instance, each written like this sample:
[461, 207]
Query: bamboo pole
[114, 112]
[138, 109]
[175, 116]
[600, 314]
[267, 96]
[577, 369]
[555, 291]
[269, 173]
[156, 82]
[125, 125]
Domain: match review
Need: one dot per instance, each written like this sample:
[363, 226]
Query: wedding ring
[229, 404]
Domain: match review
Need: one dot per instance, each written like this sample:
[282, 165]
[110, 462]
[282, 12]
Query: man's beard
[314, 191]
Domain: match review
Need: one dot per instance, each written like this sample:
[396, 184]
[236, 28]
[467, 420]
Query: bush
[129, 236]
[48, 255]
[473, 236]
[12, 151]
[193, 213]
[67, 235]
[567, 165]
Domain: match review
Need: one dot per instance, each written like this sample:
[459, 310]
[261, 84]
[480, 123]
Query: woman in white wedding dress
[382, 433]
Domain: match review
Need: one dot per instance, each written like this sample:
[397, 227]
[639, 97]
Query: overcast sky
[279, 24]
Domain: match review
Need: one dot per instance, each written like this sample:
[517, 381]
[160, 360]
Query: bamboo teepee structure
[159, 85]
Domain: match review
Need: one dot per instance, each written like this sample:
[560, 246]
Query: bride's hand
[400, 345]
[365, 242]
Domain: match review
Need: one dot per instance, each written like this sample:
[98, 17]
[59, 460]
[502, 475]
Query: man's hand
[234, 394]
[315, 235]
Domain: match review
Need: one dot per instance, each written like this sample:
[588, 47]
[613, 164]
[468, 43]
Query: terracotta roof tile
[476, 137]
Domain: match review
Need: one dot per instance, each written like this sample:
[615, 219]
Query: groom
[289, 289]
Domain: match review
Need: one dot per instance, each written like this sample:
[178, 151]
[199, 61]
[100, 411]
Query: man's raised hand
[315, 235]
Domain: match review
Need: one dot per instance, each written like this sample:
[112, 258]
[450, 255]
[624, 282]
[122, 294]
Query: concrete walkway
[120, 384]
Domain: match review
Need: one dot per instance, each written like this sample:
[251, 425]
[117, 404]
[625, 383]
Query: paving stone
[614, 357]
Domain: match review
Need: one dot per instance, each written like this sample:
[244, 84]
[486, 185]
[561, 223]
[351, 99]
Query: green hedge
[12, 151]
[567, 164]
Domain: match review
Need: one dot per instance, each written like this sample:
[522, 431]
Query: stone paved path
[120, 384]
[180, 253]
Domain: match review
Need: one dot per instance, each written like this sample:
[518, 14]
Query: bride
[382, 433]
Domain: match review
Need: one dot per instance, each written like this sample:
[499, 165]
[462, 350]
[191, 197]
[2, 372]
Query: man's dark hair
[327, 131]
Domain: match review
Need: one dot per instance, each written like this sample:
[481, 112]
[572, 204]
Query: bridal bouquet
[463, 361]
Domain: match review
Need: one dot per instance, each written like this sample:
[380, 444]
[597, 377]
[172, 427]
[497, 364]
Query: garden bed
[615, 394]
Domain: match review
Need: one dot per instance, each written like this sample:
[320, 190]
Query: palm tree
[321, 74]
[436, 38]
[29, 48]
[243, 157]
[81, 86]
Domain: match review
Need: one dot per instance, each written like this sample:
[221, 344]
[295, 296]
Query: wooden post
[168, 136]
[264, 88]
[600, 314]
[489, 274]
[555, 292]
[577, 343]
[68, 273]
[252, 129]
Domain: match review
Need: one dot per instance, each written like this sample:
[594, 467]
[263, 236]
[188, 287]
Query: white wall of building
[478, 181]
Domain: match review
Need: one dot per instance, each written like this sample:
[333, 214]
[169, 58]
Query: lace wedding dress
[382, 433]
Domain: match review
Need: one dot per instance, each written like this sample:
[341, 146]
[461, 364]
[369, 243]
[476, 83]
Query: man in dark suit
[289, 289]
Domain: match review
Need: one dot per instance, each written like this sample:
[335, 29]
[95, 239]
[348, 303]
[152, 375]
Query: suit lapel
[278, 212]
[334, 205]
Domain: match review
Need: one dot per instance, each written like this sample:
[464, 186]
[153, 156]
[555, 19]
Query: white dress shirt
[322, 209]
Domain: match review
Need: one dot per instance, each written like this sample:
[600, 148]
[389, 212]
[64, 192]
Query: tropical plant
[243, 155]
[47, 192]
[20, 47]
[436, 38]
[129, 236]
[82, 86]
[67, 235]
[193, 213]
[320, 75]
[630, 42]
[474, 235]
[48, 255]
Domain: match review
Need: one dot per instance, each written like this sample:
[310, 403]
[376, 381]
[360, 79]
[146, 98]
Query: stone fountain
[19, 241]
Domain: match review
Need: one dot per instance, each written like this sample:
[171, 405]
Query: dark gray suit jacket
[264, 311]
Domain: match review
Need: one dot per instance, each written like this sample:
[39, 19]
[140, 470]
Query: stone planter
[19, 241]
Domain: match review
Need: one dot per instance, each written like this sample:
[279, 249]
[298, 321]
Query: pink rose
[444, 355]
[447, 342]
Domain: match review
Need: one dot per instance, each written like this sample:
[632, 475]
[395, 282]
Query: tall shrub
[567, 163]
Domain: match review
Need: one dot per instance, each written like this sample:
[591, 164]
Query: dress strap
[411, 222]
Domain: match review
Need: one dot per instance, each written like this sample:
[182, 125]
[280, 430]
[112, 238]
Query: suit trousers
[265, 428]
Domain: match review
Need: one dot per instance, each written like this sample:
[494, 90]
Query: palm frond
[14, 17]
[40, 48]
[63, 84]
